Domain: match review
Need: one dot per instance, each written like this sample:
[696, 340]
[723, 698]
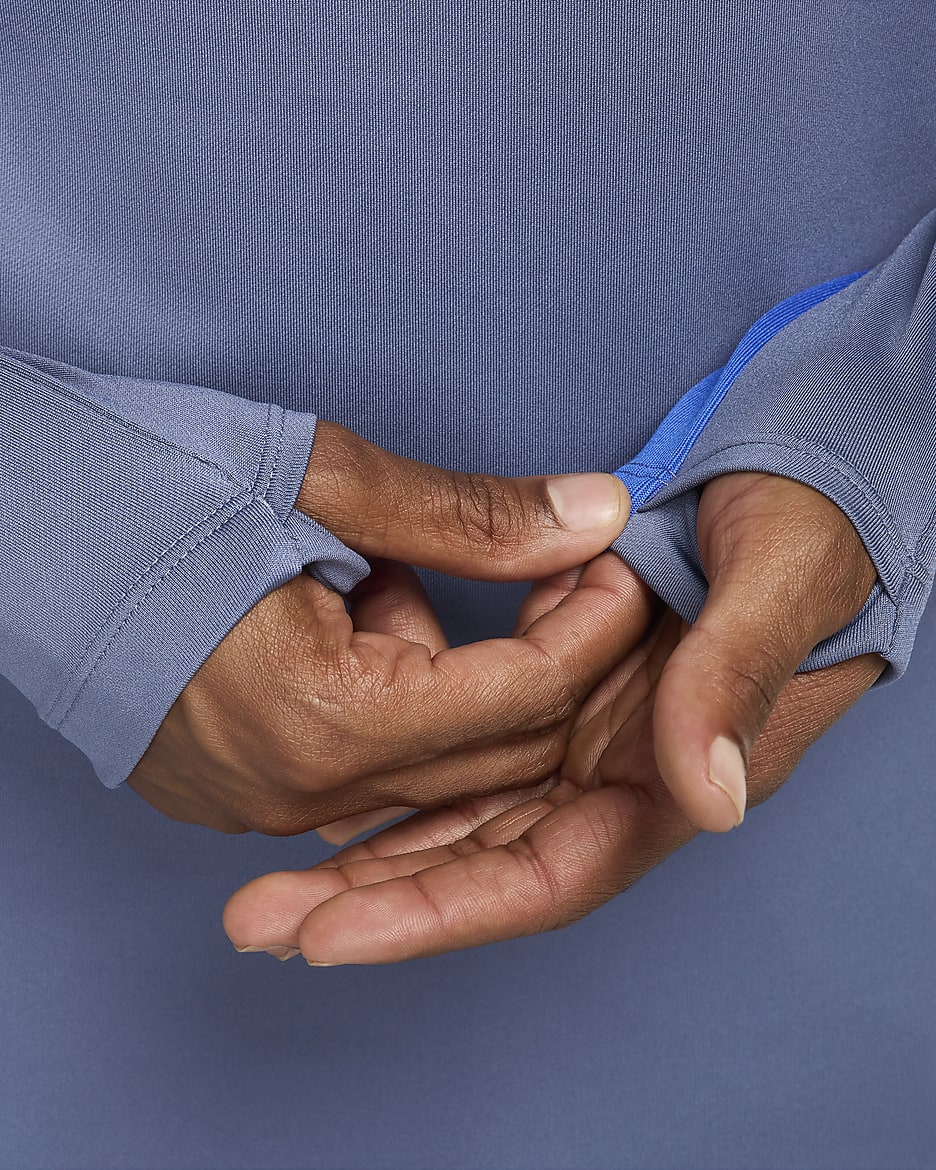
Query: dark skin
[786, 569]
[306, 713]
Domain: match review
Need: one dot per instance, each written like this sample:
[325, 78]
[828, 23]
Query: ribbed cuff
[660, 544]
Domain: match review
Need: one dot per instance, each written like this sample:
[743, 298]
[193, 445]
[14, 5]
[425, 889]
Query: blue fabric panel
[669, 445]
[842, 397]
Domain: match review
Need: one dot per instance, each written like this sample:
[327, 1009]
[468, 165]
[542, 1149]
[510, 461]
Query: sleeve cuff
[198, 589]
[831, 388]
[659, 543]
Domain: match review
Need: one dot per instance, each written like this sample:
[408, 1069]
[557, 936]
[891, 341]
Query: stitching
[144, 573]
[647, 470]
[153, 584]
[894, 611]
[263, 453]
[919, 549]
[50, 384]
[277, 451]
[765, 439]
[251, 498]
[294, 513]
[909, 565]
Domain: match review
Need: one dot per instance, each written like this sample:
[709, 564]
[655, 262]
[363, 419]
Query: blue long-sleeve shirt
[205, 248]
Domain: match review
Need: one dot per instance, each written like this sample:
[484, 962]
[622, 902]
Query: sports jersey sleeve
[139, 521]
[834, 388]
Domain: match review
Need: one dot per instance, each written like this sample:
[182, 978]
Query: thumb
[470, 525]
[786, 569]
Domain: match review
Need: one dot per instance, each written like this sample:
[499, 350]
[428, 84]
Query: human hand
[786, 570]
[307, 712]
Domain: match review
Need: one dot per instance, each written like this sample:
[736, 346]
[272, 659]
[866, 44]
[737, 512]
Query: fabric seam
[252, 497]
[161, 580]
[141, 577]
[138, 581]
[65, 392]
[909, 565]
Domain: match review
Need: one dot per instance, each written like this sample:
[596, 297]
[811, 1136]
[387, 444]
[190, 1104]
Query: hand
[786, 570]
[307, 712]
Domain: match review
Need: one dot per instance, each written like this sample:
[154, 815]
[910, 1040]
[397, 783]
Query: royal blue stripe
[672, 441]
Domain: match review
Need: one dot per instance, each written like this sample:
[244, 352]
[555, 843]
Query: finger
[420, 707]
[270, 910]
[560, 869]
[471, 525]
[615, 745]
[273, 910]
[509, 686]
[440, 826]
[393, 601]
[612, 738]
[786, 569]
[473, 772]
[545, 595]
[390, 601]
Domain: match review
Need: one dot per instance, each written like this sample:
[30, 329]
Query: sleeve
[836, 388]
[139, 521]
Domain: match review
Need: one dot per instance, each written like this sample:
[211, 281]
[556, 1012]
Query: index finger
[561, 868]
[511, 686]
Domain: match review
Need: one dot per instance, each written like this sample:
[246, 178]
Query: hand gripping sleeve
[835, 388]
[139, 521]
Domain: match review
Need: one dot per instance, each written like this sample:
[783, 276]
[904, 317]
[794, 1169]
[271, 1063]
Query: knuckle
[554, 714]
[561, 706]
[341, 467]
[489, 513]
[554, 693]
[551, 752]
[755, 680]
[749, 681]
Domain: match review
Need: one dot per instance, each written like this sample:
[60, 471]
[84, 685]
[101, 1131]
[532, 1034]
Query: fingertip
[701, 765]
[712, 797]
[705, 803]
[337, 932]
[625, 500]
[245, 915]
[269, 910]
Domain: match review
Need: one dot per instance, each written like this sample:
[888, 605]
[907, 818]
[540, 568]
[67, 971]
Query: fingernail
[282, 953]
[726, 770]
[587, 501]
[338, 832]
[314, 964]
